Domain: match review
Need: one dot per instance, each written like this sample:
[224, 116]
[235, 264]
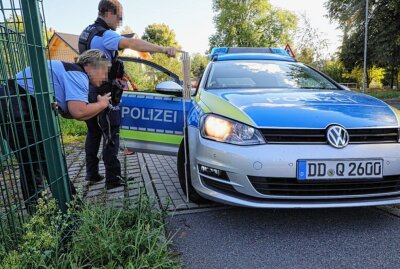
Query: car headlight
[228, 131]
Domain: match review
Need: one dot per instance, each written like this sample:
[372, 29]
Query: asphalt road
[319, 238]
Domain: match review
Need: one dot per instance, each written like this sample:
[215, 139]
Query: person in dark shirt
[101, 35]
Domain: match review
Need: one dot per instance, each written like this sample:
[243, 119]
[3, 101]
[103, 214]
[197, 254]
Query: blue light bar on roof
[218, 51]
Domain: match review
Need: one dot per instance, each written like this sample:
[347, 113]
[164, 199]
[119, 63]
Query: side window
[145, 77]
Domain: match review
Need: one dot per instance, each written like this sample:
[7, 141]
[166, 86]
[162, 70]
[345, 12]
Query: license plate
[339, 169]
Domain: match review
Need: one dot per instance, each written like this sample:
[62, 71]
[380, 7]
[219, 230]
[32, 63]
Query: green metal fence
[31, 158]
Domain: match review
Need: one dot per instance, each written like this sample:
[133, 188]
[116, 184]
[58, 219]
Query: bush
[40, 240]
[107, 237]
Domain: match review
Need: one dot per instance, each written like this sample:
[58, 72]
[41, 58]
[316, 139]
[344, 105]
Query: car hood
[284, 108]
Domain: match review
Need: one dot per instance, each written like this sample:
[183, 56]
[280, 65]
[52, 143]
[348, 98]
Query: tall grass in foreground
[105, 237]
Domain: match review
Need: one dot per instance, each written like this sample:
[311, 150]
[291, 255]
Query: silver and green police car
[266, 131]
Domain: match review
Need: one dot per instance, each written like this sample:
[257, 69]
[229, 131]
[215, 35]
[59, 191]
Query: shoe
[95, 178]
[118, 182]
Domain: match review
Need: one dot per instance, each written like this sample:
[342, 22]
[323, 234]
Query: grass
[383, 94]
[105, 237]
[72, 130]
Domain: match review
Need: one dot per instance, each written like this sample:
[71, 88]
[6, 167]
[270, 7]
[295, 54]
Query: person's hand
[104, 100]
[170, 51]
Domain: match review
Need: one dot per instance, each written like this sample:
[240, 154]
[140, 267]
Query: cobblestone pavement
[155, 174]
[96, 192]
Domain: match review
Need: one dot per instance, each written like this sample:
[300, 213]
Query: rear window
[265, 74]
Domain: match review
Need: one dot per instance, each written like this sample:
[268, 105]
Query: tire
[193, 195]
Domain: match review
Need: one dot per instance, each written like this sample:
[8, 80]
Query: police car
[266, 131]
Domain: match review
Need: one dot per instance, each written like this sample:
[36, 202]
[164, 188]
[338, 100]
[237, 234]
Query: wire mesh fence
[31, 157]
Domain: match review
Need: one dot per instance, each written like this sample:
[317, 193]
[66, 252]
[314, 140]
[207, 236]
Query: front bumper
[276, 164]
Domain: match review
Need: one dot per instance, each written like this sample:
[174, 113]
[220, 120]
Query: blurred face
[98, 73]
[114, 20]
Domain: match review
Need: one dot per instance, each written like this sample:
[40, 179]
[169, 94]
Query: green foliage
[72, 130]
[335, 70]
[305, 55]
[383, 94]
[375, 76]
[198, 64]
[120, 238]
[310, 43]
[383, 33]
[104, 237]
[40, 243]
[160, 34]
[146, 78]
[251, 23]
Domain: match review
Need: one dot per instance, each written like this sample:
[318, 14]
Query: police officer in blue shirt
[101, 35]
[18, 111]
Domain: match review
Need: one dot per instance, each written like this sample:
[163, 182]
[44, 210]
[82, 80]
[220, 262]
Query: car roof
[253, 56]
[250, 53]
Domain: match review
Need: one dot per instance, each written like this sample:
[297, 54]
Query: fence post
[58, 176]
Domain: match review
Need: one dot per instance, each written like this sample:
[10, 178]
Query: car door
[151, 122]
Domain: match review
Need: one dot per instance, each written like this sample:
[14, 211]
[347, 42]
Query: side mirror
[169, 87]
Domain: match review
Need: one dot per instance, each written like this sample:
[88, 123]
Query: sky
[192, 20]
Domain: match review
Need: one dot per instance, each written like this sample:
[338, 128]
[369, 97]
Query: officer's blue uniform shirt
[68, 83]
[108, 43]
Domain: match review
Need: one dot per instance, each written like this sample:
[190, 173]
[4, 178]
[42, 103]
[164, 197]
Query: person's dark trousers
[21, 130]
[19, 126]
[106, 126]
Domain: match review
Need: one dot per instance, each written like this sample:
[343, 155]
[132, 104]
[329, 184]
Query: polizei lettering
[150, 114]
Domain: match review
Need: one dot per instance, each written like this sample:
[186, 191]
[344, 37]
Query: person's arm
[114, 41]
[142, 45]
[83, 111]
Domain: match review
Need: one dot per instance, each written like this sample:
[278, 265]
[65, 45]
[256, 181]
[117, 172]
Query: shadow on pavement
[301, 238]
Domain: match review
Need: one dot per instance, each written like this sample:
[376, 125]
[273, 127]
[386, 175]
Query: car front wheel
[193, 195]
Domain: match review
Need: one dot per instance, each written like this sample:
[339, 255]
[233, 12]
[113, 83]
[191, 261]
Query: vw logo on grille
[337, 136]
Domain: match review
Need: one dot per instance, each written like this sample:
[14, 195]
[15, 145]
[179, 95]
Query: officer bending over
[19, 123]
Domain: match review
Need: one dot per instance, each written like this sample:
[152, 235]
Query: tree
[375, 76]
[383, 33]
[310, 43]
[335, 70]
[198, 64]
[160, 34]
[251, 23]
[145, 77]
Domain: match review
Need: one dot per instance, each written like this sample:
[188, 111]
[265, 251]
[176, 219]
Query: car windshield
[265, 74]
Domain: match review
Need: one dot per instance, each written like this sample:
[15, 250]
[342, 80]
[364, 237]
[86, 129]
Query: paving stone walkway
[155, 174]
[75, 155]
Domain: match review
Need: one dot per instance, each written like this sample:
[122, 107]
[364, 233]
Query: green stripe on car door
[152, 137]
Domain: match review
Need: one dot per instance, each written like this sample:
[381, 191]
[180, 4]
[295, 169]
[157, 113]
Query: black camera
[116, 92]
[115, 87]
